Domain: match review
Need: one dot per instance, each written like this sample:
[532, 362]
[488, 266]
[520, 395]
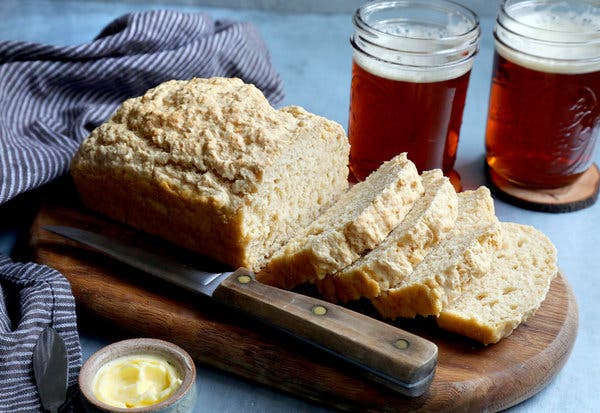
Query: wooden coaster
[580, 194]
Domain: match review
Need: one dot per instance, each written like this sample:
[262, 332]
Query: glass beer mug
[544, 109]
[410, 72]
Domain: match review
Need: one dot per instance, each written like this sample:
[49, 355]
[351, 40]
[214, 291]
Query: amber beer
[542, 127]
[544, 109]
[390, 116]
[410, 72]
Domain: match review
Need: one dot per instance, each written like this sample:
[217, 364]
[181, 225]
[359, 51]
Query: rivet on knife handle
[394, 357]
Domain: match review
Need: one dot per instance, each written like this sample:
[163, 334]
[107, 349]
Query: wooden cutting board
[469, 377]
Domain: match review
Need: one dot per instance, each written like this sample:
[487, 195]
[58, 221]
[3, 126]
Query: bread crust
[431, 218]
[198, 162]
[358, 222]
[465, 253]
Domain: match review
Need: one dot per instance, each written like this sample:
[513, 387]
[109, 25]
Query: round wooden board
[469, 377]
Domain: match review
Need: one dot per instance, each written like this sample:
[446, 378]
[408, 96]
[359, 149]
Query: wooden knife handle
[394, 357]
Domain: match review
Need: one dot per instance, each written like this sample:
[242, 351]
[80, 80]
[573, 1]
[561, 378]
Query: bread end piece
[492, 307]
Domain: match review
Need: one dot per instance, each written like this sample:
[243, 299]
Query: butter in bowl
[139, 375]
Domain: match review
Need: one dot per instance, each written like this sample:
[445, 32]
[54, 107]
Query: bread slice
[359, 221]
[465, 253]
[208, 164]
[491, 307]
[430, 219]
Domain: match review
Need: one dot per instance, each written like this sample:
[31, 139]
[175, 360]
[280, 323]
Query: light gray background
[482, 7]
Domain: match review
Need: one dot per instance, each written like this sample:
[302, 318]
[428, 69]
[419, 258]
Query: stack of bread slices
[208, 164]
[439, 254]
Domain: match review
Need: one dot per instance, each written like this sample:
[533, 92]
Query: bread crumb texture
[208, 164]
[491, 307]
[355, 224]
[465, 253]
[430, 219]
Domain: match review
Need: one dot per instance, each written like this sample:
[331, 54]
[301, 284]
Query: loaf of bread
[491, 307]
[465, 253]
[208, 164]
[428, 222]
[356, 223]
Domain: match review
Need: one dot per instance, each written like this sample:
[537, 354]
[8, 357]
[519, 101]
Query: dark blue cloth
[32, 297]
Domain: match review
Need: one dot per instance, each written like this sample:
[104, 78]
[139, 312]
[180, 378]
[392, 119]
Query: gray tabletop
[312, 53]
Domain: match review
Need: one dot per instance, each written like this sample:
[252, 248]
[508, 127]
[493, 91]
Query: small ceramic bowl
[181, 401]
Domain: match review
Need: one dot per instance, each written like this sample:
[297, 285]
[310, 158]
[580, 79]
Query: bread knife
[401, 361]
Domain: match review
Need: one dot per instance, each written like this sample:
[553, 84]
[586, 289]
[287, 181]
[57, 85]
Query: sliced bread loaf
[431, 218]
[208, 164]
[465, 253]
[491, 307]
[359, 221]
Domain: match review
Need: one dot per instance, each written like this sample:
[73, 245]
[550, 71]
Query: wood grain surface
[394, 354]
[469, 377]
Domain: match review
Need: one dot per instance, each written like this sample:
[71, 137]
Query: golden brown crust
[359, 221]
[438, 280]
[466, 252]
[432, 216]
[210, 165]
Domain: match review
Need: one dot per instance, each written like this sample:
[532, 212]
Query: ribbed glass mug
[411, 66]
[544, 109]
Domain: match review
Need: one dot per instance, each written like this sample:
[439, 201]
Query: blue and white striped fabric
[50, 99]
[32, 297]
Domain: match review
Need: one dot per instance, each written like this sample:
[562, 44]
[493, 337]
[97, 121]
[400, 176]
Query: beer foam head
[418, 39]
[407, 73]
[424, 31]
[555, 37]
[424, 41]
[557, 22]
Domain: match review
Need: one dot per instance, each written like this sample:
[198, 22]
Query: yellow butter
[135, 381]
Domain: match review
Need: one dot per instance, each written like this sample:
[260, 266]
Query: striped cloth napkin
[50, 99]
[32, 297]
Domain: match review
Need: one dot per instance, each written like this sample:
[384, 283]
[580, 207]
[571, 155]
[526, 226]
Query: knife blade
[401, 361]
[50, 369]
